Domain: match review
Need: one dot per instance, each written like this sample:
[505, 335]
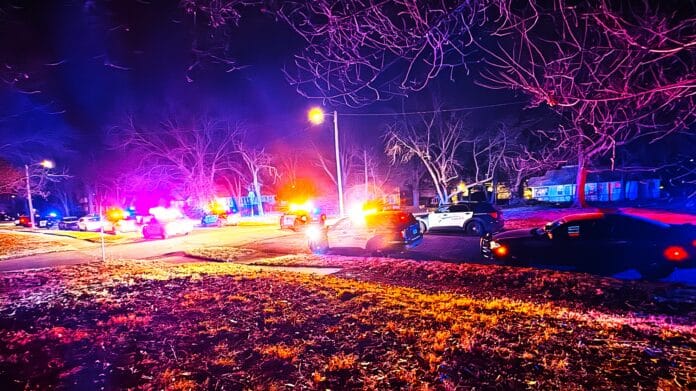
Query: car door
[438, 217]
[340, 234]
[634, 241]
[575, 243]
[459, 214]
[581, 243]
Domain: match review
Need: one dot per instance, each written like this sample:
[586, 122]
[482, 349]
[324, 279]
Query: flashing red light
[501, 251]
[693, 243]
[675, 253]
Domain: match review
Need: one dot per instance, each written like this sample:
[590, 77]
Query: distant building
[559, 186]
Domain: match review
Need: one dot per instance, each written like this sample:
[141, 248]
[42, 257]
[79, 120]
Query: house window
[559, 190]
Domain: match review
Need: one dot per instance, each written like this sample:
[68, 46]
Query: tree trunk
[64, 201]
[90, 199]
[415, 192]
[494, 193]
[580, 180]
[257, 190]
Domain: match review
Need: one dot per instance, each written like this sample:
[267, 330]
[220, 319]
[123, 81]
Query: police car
[475, 218]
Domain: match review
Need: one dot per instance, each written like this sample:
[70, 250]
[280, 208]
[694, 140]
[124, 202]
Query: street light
[316, 116]
[45, 164]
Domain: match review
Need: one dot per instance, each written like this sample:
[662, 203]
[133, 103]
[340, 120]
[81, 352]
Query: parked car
[89, 223]
[379, 232]
[121, 226]
[599, 243]
[154, 228]
[5, 218]
[475, 218]
[48, 222]
[25, 221]
[299, 216]
[69, 223]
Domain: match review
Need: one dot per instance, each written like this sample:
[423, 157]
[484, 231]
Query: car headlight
[314, 233]
[494, 244]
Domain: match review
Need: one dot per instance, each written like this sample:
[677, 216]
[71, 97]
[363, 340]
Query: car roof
[601, 215]
[584, 216]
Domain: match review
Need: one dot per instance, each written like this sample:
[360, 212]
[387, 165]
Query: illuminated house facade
[559, 186]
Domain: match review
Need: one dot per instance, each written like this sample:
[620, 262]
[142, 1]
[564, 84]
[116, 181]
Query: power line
[468, 108]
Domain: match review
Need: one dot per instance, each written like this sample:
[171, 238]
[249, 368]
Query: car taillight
[675, 253]
[493, 215]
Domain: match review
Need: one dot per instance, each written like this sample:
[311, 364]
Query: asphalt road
[444, 246]
[265, 239]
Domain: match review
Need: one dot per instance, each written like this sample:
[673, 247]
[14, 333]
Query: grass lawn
[14, 245]
[377, 324]
[95, 237]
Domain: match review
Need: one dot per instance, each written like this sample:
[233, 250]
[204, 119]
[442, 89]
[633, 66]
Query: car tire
[374, 247]
[655, 271]
[474, 228]
[423, 227]
[319, 248]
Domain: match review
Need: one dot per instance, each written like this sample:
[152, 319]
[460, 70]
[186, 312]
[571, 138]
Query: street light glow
[47, 164]
[316, 115]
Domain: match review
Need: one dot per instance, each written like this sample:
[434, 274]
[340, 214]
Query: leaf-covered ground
[378, 324]
[14, 245]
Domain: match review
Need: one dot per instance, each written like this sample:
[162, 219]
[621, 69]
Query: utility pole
[31, 205]
[367, 186]
[339, 175]
[101, 232]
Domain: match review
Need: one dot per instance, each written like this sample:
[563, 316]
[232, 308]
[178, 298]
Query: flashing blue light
[52, 214]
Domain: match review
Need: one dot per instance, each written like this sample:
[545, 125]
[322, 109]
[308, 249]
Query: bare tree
[188, 157]
[257, 163]
[487, 150]
[357, 48]
[12, 179]
[435, 142]
[289, 165]
[615, 74]
[349, 162]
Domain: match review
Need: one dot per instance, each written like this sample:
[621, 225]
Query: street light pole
[339, 175]
[31, 205]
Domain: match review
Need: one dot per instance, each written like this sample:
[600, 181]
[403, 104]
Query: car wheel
[474, 228]
[319, 247]
[374, 247]
[423, 227]
[655, 271]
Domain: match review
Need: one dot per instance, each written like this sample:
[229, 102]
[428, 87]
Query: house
[559, 186]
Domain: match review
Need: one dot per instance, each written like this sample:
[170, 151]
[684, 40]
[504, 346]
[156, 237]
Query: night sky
[90, 64]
